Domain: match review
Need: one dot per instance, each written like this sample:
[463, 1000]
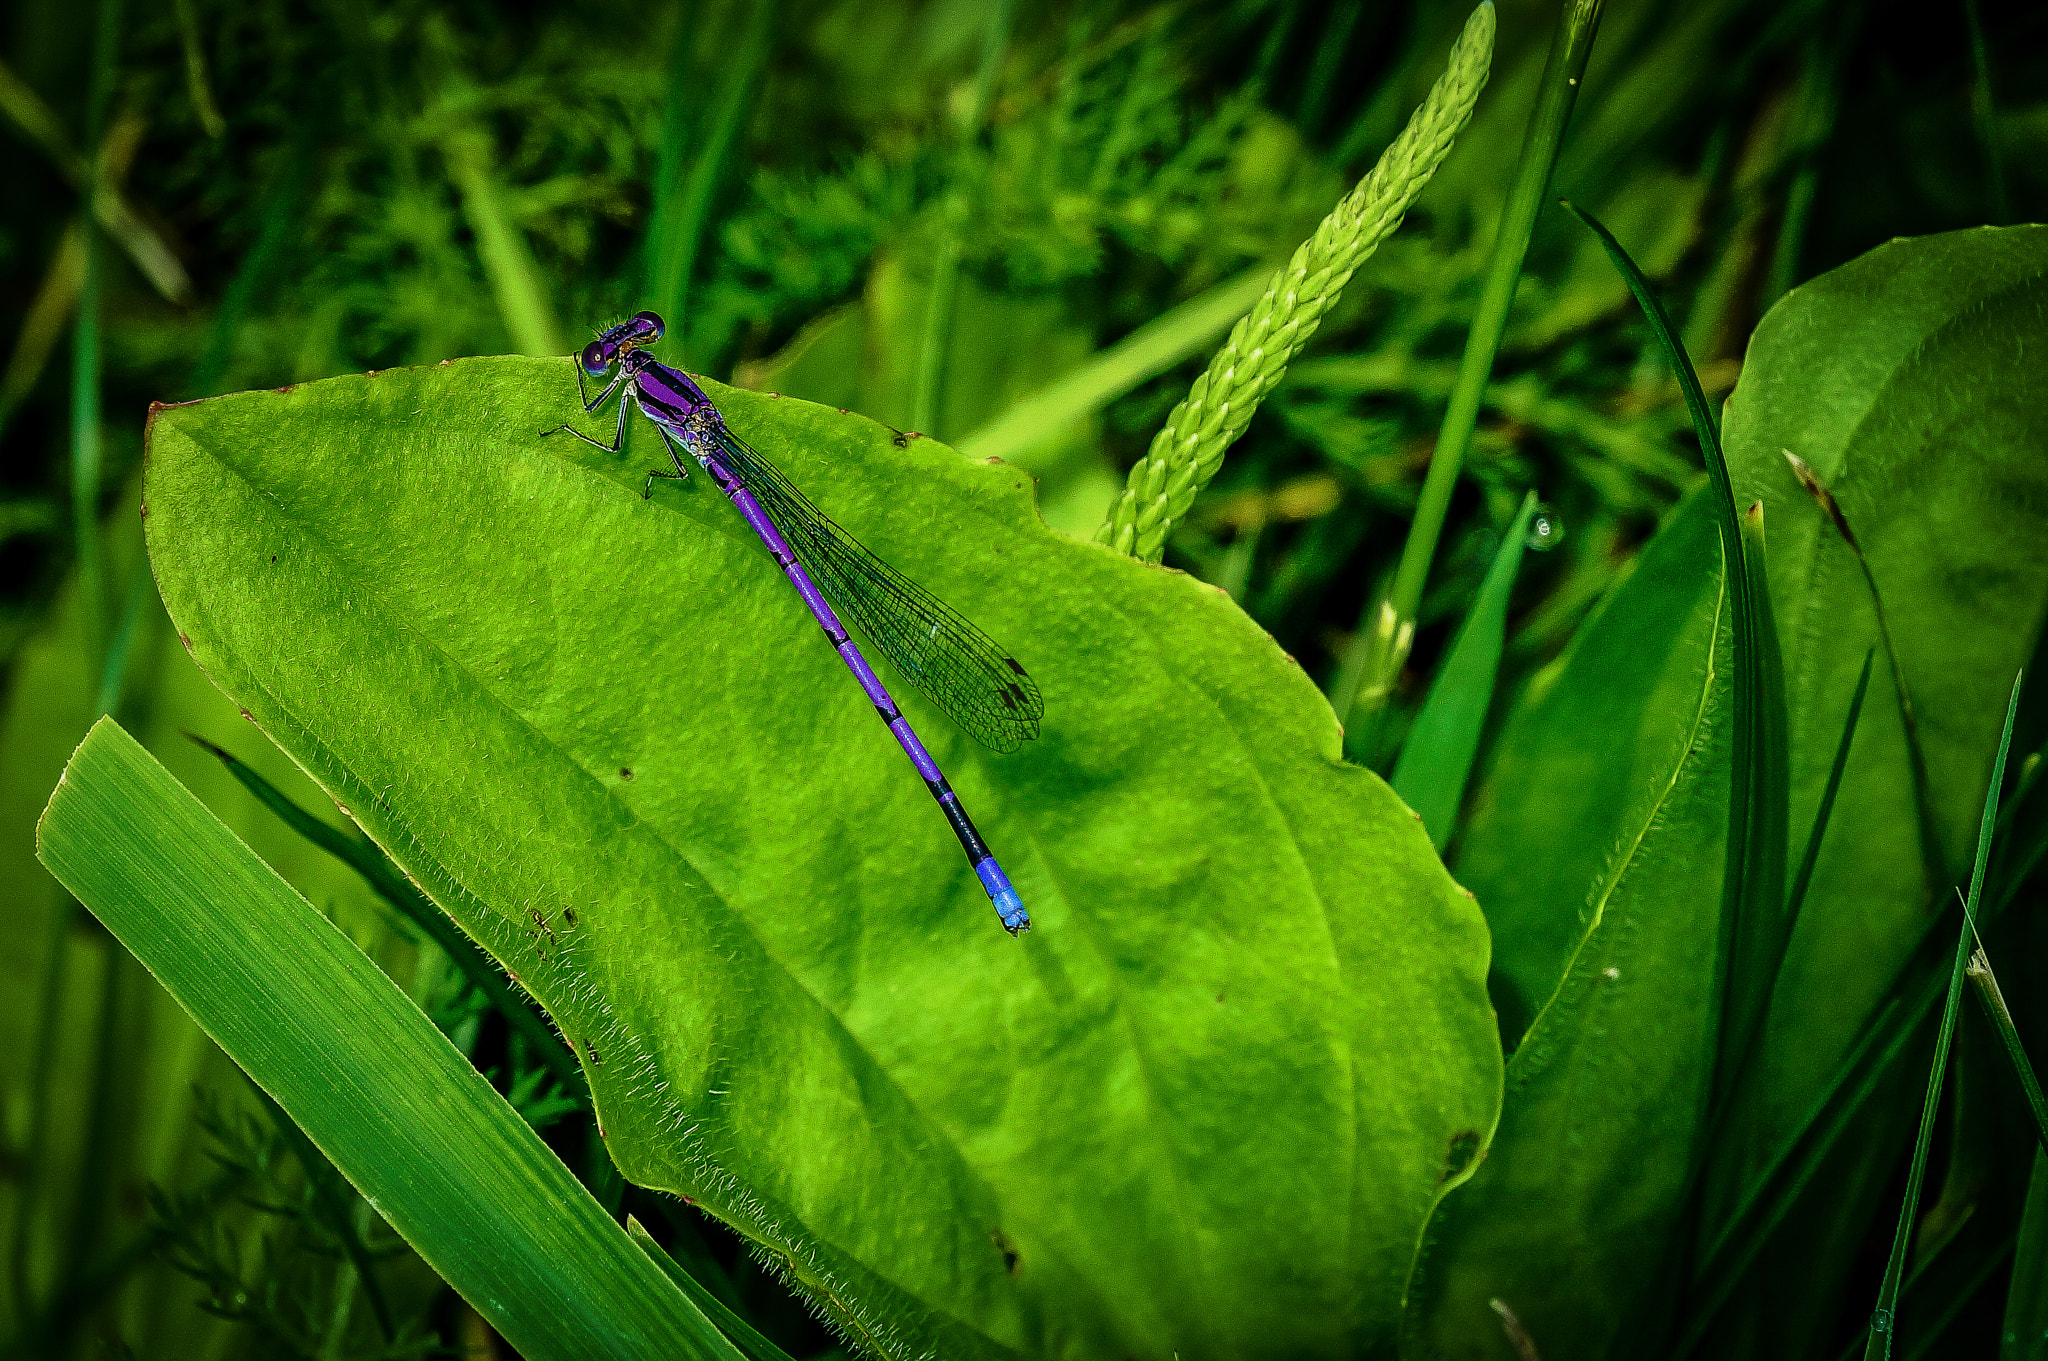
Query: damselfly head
[615, 342]
[647, 328]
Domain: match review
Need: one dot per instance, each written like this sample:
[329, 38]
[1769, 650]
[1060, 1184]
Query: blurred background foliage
[923, 210]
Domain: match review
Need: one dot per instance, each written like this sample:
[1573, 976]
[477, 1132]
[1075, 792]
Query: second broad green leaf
[1204, 1106]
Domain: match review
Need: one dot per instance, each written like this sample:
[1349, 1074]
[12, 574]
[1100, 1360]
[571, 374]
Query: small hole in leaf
[1007, 1248]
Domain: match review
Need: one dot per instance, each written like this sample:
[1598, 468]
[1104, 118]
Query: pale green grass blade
[418, 1131]
[1993, 998]
[1883, 1323]
[1145, 353]
[1437, 757]
[508, 262]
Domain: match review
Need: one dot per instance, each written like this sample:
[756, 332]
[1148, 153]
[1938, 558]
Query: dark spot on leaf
[569, 917]
[625, 772]
[1219, 999]
[900, 440]
[597, 1062]
[273, 557]
[1464, 1148]
[1007, 1248]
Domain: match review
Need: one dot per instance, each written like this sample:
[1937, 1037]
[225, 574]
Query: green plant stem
[1388, 629]
[1884, 1321]
[151, 254]
[85, 359]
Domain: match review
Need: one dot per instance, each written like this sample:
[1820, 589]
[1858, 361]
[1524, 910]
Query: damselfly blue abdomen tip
[1010, 908]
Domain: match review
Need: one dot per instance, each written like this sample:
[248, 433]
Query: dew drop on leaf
[1546, 529]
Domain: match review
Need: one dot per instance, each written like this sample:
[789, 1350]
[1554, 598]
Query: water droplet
[1546, 529]
[1881, 1321]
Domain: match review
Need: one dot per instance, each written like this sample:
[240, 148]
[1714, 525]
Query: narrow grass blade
[441, 1156]
[1767, 917]
[2025, 1335]
[114, 670]
[741, 1333]
[1752, 895]
[157, 261]
[363, 856]
[1437, 756]
[1916, 751]
[1989, 993]
[197, 87]
[1388, 628]
[43, 322]
[1825, 809]
[1883, 1321]
[282, 218]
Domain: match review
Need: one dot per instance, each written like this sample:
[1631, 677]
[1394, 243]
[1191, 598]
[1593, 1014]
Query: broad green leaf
[1910, 381]
[1922, 360]
[1205, 1106]
[382, 1093]
[1437, 755]
[1572, 1211]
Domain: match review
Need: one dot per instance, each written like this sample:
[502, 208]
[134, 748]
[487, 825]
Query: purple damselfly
[950, 661]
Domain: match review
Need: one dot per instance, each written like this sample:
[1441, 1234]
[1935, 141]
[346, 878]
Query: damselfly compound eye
[649, 325]
[597, 357]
